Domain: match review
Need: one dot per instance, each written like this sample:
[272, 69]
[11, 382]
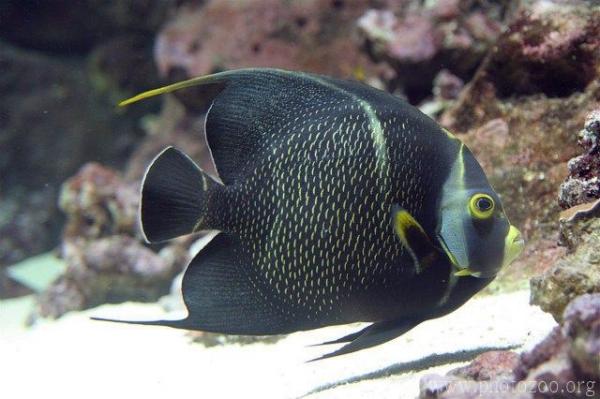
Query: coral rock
[311, 35]
[447, 86]
[98, 202]
[575, 274]
[578, 272]
[583, 184]
[418, 40]
[582, 329]
[550, 347]
[490, 366]
[109, 270]
[105, 263]
[566, 364]
[547, 371]
[490, 375]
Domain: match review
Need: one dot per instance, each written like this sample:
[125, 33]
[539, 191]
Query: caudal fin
[174, 196]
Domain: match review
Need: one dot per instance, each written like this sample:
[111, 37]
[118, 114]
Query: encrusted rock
[488, 366]
[578, 272]
[582, 331]
[418, 40]
[575, 274]
[490, 375]
[566, 364]
[98, 203]
[110, 270]
[310, 35]
[549, 48]
[576, 223]
[583, 184]
[563, 365]
[447, 86]
[106, 263]
[550, 347]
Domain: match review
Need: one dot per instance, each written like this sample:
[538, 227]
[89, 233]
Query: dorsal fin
[254, 109]
[257, 110]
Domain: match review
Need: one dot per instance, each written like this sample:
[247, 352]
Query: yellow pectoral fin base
[466, 273]
[413, 238]
[463, 273]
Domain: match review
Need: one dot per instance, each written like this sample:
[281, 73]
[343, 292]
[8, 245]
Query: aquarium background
[517, 80]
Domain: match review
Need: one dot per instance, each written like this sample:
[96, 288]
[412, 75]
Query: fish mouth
[513, 245]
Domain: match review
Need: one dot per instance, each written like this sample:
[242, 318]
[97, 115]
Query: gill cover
[473, 228]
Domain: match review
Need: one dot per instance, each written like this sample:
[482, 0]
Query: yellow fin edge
[467, 272]
[168, 89]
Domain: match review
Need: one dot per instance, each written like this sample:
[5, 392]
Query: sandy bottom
[79, 358]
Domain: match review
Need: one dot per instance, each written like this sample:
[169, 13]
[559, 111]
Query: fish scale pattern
[315, 215]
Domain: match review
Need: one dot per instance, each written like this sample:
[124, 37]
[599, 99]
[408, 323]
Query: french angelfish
[337, 203]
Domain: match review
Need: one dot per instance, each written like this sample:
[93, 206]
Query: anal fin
[221, 296]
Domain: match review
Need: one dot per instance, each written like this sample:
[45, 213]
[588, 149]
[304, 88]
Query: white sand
[78, 358]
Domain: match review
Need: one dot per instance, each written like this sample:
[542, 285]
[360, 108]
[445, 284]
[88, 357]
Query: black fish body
[332, 201]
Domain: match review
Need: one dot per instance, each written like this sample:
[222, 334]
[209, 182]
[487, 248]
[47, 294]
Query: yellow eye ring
[481, 206]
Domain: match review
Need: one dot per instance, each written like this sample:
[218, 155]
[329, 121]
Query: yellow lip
[513, 245]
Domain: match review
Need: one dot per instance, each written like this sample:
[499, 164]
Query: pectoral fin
[413, 238]
[375, 334]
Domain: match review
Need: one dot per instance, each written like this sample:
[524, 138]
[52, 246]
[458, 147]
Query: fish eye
[481, 206]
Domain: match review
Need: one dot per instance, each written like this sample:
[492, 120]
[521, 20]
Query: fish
[335, 203]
